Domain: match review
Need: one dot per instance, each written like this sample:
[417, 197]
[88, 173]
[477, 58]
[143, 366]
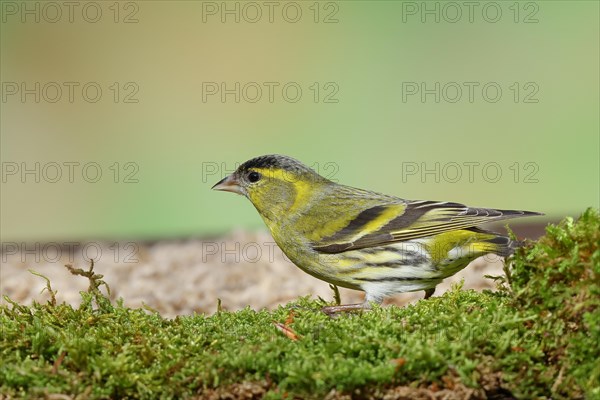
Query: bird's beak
[228, 184]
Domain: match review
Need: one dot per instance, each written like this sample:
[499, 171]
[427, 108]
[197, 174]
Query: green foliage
[558, 279]
[536, 338]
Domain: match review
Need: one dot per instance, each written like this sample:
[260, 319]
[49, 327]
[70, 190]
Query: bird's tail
[500, 244]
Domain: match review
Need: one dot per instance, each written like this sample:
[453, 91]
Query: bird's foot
[334, 311]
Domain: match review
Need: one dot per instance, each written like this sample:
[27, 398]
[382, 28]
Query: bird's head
[277, 185]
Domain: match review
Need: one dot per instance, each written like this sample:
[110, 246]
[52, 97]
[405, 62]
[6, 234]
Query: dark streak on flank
[397, 263]
[398, 279]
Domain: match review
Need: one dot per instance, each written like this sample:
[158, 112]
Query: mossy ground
[535, 338]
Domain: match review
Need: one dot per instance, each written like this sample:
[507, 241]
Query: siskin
[364, 240]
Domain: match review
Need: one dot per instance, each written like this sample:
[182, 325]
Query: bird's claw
[334, 311]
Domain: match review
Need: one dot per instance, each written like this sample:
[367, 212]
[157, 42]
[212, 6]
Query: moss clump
[535, 338]
[558, 279]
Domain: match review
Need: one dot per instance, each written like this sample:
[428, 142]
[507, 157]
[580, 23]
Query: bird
[364, 240]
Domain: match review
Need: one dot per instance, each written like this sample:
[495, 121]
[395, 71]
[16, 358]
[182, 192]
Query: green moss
[538, 337]
[558, 279]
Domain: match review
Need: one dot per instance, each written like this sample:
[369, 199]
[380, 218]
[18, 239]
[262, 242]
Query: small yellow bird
[365, 240]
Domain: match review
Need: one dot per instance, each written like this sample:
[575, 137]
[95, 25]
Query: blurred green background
[162, 131]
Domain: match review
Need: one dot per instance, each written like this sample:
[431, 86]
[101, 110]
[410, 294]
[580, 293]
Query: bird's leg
[429, 292]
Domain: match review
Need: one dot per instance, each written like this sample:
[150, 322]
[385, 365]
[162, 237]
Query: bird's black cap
[276, 161]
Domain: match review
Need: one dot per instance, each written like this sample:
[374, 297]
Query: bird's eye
[253, 176]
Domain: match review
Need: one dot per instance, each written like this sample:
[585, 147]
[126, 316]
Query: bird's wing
[411, 220]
